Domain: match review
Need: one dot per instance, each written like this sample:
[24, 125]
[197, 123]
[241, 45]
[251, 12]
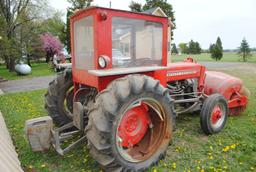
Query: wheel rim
[218, 116]
[68, 102]
[141, 130]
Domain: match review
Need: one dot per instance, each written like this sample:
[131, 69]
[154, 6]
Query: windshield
[136, 42]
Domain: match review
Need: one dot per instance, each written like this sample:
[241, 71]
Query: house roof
[153, 11]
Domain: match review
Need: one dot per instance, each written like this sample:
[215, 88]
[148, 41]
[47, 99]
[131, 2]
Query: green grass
[38, 69]
[227, 57]
[233, 149]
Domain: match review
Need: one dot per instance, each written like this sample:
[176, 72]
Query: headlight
[102, 62]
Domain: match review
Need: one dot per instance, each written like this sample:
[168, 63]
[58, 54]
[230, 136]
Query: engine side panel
[186, 70]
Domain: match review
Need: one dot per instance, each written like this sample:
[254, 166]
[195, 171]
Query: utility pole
[110, 4]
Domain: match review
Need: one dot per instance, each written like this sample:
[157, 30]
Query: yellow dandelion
[174, 165]
[210, 157]
[202, 170]
[233, 146]
[155, 170]
[43, 165]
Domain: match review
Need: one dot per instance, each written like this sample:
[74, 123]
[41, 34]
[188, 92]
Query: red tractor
[124, 96]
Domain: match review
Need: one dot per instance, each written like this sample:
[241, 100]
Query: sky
[202, 20]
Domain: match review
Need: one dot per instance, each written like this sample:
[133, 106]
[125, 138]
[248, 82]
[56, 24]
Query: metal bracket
[59, 135]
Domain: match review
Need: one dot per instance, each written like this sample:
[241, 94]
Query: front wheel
[214, 114]
[130, 125]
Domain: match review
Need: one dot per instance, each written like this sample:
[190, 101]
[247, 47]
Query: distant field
[227, 57]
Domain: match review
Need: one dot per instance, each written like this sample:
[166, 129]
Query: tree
[68, 42]
[244, 50]
[11, 11]
[198, 48]
[17, 15]
[219, 43]
[194, 47]
[184, 48]
[54, 25]
[216, 50]
[75, 5]
[135, 6]
[163, 4]
[79, 4]
[211, 48]
[174, 49]
[51, 45]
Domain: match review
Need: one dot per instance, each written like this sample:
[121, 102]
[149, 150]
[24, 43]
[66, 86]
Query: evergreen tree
[244, 50]
[174, 49]
[194, 47]
[219, 43]
[216, 50]
[198, 48]
[211, 48]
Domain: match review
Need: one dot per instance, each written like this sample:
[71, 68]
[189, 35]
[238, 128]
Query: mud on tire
[59, 98]
[107, 112]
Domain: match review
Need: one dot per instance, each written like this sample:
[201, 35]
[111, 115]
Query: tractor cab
[108, 42]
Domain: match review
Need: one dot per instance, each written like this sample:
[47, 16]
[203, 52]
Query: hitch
[41, 134]
[59, 136]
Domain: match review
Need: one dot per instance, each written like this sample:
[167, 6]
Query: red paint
[228, 86]
[134, 125]
[216, 114]
[209, 82]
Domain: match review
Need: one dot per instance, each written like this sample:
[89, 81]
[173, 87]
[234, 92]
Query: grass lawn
[227, 57]
[38, 69]
[233, 149]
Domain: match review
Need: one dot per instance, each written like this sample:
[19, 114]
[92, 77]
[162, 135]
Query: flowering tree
[51, 45]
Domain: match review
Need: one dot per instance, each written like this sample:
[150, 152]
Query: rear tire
[111, 106]
[59, 98]
[214, 114]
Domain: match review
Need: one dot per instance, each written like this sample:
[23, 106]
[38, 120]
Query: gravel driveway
[26, 84]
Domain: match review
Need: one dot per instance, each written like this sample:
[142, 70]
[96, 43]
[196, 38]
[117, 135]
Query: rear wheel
[214, 114]
[130, 125]
[59, 98]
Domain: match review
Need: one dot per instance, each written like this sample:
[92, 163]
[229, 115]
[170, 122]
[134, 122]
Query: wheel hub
[216, 114]
[134, 125]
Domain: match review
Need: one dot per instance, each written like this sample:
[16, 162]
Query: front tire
[130, 125]
[214, 114]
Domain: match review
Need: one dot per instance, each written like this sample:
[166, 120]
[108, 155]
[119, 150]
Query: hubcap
[218, 116]
[134, 125]
[141, 130]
